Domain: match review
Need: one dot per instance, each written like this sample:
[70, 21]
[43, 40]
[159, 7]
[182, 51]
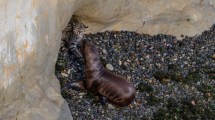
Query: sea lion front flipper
[77, 53]
[76, 86]
[103, 100]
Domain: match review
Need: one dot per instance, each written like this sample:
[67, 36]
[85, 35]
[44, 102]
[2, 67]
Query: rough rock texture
[30, 33]
[176, 17]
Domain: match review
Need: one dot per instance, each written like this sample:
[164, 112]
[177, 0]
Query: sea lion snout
[89, 50]
[86, 46]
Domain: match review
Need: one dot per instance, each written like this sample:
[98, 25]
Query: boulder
[175, 17]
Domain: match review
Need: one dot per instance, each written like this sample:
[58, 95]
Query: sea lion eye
[93, 49]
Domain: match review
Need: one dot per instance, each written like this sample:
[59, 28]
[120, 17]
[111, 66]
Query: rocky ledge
[174, 78]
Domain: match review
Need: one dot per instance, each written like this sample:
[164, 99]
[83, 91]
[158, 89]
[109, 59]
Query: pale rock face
[30, 33]
[175, 17]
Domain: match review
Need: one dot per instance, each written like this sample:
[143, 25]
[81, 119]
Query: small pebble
[126, 63]
[104, 51]
[208, 94]
[129, 77]
[64, 74]
[109, 66]
[110, 106]
[213, 56]
[193, 103]
[143, 68]
[69, 71]
[120, 62]
[198, 83]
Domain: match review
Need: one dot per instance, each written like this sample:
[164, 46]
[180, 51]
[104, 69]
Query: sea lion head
[91, 56]
[89, 50]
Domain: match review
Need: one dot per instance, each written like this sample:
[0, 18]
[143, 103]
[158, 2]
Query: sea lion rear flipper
[103, 100]
[76, 86]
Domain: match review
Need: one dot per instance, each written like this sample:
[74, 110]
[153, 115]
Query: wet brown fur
[117, 89]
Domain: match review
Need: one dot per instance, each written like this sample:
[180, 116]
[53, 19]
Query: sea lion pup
[112, 87]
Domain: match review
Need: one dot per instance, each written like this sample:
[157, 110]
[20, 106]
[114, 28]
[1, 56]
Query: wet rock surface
[174, 78]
